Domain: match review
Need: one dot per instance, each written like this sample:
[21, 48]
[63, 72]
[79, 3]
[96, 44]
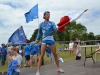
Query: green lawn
[65, 55]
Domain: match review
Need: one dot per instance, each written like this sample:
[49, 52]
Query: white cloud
[11, 18]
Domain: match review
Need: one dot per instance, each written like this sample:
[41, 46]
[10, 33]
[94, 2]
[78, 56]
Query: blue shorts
[48, 42]
[33, 53]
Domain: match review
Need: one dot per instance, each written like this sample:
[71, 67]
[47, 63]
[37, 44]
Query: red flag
[69, 17]
[64, 21]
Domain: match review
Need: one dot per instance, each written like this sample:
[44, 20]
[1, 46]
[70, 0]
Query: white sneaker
[38, 73]
[60, 70]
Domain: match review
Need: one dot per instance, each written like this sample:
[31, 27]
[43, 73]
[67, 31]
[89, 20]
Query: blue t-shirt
[3, 50]
[34, 48]
[45, 29]
[0, 51]
[27, 50]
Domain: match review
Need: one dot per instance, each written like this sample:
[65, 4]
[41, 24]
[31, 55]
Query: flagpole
[38, 24]
[38, 18]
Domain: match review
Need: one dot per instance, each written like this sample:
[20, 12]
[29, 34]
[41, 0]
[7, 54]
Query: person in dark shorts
[27, 55]
[78, 49]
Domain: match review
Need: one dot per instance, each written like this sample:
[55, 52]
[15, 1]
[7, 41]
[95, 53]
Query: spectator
[3, 54]
[71, 47]
[5, 46]
[60, 49]
[78, 51]
[63, 47]
[21, 51]
[77, 40]
[66, 49]
[9, 49]
[34, 53]
[60, 59]
[27, 55]
[15, 57]
[49, 54]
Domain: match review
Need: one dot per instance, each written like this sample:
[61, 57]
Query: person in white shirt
[15, 56]
[60, 60]
[9, 49]
[78, 51]
[71, 47]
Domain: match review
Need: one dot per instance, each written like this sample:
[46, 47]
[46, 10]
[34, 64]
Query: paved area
[71, 68]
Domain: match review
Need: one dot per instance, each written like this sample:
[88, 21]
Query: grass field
[65, 55]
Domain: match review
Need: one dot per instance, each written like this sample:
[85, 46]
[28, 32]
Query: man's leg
[31, 57]
[24, 61]
[53, 48]
[2, 61]
[43, 48]
[36, 59]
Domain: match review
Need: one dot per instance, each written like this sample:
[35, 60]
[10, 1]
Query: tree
[97, 37]
[76, 30]
[73, 35]
[34, 35]
[91, 36]
[84, 36]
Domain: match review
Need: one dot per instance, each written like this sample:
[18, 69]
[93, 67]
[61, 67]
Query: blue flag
[18, 37]
[32, 14]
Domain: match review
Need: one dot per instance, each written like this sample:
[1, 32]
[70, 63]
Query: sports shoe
[60, 70]
[38, 73]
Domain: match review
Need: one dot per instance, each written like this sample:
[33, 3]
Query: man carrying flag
[45, 28]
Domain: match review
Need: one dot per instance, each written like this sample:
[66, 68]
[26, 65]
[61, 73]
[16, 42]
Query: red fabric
[64, 21]
[62, 27]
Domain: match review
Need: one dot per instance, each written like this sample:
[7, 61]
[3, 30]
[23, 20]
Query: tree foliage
[71, 32]
[97, 37]
[34, 35]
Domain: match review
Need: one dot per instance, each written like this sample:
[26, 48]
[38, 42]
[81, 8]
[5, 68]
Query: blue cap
[46, 12]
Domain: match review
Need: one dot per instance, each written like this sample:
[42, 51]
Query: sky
[12, 14]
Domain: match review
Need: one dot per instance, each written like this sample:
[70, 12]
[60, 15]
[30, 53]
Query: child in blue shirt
[27, 55]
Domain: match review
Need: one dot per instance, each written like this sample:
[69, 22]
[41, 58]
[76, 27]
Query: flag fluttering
[68, 18]
[18, 37]
[32, 14]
